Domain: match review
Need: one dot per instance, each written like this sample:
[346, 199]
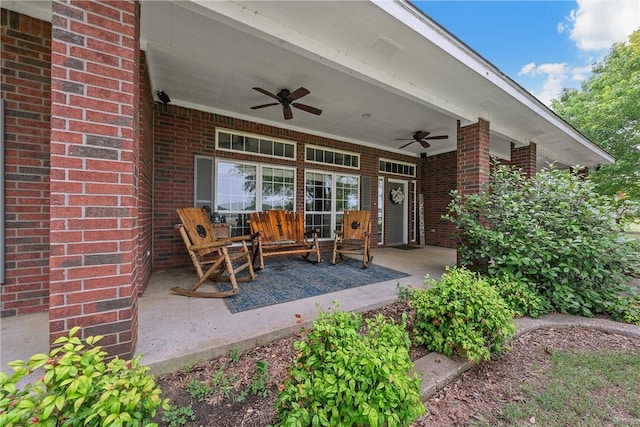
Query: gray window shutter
[203, 182]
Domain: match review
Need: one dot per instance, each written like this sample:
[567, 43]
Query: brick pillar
[94, 160]
[473, 158]
[524, 158]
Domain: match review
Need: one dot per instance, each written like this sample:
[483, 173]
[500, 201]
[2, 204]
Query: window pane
[224, 140]
[266, 147]
[278, 190]
[235, 187]
[251, 145]
[320, 221]
[347, 193]
[318, 192]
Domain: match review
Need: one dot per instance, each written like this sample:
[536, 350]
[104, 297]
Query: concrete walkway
[175, 331]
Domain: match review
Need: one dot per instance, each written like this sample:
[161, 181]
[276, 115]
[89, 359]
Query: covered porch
[175, 331]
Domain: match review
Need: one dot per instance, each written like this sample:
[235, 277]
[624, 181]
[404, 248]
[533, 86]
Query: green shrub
[626, 309]
[177, 416]
[520, 297]
[198, 390]
[347, 377]
[461, 314]
[552, 231]
[79, 388]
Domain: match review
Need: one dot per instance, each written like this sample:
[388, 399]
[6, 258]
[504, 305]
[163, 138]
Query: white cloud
[554, 75]
[597, 24]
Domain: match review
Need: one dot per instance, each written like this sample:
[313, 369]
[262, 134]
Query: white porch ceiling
[384, 59]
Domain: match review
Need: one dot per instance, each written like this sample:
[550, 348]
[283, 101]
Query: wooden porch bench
[282, 232]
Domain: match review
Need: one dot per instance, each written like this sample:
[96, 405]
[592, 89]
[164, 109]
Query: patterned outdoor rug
[291, 278]
[406, 247]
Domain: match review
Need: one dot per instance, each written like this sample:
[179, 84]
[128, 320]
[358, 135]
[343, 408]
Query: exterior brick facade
[26, 89]
[94, 172]
[439, 174]
[182, 133]
[473, 157]
[524, 158]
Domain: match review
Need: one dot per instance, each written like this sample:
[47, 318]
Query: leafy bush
[78, 388]
[520, 297]
[198, 389]
[626, 309]
[461, 314]
[553, 231]
[177, 416]
[345, 377]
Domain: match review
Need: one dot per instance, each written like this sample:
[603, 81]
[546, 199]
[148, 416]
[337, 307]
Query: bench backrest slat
[278, 225]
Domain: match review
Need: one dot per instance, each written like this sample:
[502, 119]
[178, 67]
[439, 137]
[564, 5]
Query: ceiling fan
[422, 136]
[287, 98]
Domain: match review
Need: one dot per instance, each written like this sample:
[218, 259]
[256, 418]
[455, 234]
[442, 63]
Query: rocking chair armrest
[338, 233]
[212, 245]
[245, 238]
[311, 232]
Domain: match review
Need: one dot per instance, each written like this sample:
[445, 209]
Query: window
[397, 168]
[242, 188]
[327, 196]
[324, 155]
[237, 141]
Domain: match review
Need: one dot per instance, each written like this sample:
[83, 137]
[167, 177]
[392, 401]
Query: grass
[584, 389]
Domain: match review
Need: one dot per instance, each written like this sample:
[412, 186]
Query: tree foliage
[553, 232]
[607, 110]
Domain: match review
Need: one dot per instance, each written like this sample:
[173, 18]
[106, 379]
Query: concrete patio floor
[175, 331]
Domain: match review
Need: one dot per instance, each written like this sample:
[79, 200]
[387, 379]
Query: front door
[398, 203]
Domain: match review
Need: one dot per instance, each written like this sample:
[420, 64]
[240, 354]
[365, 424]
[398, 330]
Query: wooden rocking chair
[354, 237]
[212, 254]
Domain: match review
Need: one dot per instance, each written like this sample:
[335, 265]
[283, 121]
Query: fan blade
[298, 93]
[437, 137]
[288, 115]
[404, 139]
[266, 92]
[424, 143]
[307, 108]
[409, 143]
[421, 134]
[264, 105]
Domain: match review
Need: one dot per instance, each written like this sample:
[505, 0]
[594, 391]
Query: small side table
[221, 230]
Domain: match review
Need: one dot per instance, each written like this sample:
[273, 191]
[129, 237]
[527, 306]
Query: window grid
[327, 196]
[397, 168]
[231, 141]
[315, 154]
[242, 188]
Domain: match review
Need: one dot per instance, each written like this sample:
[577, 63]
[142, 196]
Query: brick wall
[474, 158]
[439, 174]
[145, 177]
[26, 86]
[182, 133]
[524, 158]
[94, 171]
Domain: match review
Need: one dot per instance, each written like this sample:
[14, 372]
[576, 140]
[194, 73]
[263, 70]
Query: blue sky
[543, 45]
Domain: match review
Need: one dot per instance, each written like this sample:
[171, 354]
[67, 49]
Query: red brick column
[524, 158]
[26, 90]
[473, 156]
[94, 160]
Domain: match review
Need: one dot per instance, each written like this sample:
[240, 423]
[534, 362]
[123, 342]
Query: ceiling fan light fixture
[287, 99]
